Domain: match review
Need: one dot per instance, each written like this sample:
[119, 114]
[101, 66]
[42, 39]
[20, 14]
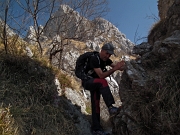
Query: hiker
[97, 84]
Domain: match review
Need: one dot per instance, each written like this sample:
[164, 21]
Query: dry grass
[76, 84]
[28, 87]
[6, 122]
[155, 108]
[79, 45]
[158, 31]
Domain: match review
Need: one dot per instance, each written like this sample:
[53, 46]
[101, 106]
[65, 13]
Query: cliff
[149, 88]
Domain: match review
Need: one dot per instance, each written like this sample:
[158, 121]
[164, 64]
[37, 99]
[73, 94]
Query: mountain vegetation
[34, 58]
[28, 96]
[149, 88]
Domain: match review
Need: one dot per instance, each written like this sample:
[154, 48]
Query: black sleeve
[109, 62]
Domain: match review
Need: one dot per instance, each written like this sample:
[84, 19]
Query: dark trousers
[98, 87]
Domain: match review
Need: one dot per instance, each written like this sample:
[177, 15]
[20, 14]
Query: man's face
[104, 55]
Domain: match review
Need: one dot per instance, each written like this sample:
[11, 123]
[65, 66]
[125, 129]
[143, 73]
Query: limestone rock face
[148, 75]
[169, 12]
[163, 7]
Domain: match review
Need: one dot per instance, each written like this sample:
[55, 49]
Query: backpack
[81, 65]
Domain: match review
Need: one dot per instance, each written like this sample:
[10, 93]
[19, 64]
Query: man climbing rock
[97, 84]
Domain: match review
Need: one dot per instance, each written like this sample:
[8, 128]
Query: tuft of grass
[158, 31]
[155, 108]
[6, 122]
[27, 85]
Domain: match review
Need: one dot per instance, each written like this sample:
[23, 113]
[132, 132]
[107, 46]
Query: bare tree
[11, 23]
[46, 20]
[138, 37]
[37, 12]
[4, 15]
[74, 23]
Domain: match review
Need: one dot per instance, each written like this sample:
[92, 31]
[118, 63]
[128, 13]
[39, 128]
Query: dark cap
[108, 47]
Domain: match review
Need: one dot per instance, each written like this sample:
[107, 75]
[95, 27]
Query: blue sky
[131, 15]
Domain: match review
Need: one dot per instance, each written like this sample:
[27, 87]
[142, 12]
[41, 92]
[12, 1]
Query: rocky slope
[101, 31]
[150, 86]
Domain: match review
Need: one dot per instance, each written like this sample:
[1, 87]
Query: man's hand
[120, 66]
[123, 66]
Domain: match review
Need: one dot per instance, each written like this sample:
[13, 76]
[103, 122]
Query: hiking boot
[113, 110]
[100, 132]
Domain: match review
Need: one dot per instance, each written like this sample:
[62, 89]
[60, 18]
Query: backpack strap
[98, 59]
[95, 53]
